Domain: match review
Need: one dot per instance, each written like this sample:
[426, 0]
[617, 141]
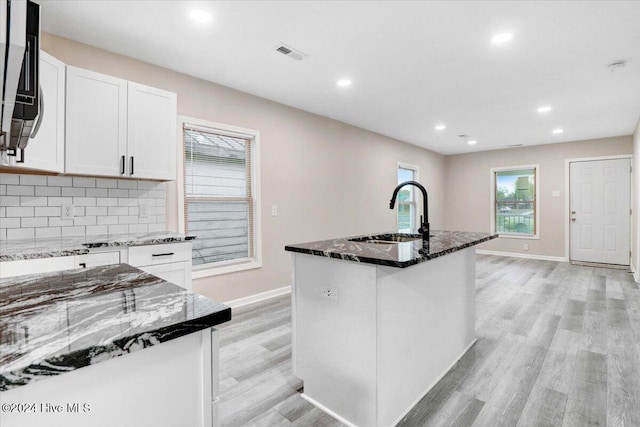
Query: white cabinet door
[35, 266]
[151, 132]
[46, 151]
[178, 273]
[96, 123]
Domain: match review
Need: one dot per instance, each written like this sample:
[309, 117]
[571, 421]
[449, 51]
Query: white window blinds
[218, 195]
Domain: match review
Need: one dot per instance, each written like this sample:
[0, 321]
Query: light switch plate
[555, 193]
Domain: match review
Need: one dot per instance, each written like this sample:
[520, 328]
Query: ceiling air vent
[290, 52]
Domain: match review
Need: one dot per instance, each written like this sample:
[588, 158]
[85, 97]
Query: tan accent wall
[328, 179]
[468, 184]
[635, 247]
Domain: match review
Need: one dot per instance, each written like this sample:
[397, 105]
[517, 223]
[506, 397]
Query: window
[406, 198]
[220, 196]
[515, 204]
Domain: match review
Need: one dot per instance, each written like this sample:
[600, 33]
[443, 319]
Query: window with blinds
[218, 195]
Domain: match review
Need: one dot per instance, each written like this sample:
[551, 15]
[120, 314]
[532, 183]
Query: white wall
[468, 201]
[328, 179]
[636, 204]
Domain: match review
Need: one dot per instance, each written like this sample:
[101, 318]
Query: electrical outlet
[67, 212]
[525, 247]
[143, 210]
[331, 293]
[274, 210]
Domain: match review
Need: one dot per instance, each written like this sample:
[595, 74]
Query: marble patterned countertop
[403, 254]
[14, 250]
[57, 322]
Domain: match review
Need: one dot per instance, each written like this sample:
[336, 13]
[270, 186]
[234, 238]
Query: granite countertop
[14, 250]
[57, 322]
[399, 255]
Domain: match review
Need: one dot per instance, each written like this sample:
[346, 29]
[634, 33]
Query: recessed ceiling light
[472, 142]
[557, 131]
[501, 38]
[544, 109]
[440, 127]
[200, 15]
[344, 82]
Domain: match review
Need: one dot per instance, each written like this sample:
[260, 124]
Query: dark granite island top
[59, 322]
[392, 254]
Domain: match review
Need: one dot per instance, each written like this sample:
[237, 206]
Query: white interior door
[600, 194]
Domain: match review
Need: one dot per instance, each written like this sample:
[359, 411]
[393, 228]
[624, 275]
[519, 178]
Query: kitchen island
[106, 346]
[378, 320]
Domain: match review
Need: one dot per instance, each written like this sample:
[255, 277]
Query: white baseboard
[327, 410]
[251, 299]
[520, 255]
[636, 273]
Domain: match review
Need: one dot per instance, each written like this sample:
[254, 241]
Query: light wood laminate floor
[557, 345]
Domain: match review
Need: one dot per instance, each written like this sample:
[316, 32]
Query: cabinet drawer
[35, 266]
[159, 254]
[97, 259]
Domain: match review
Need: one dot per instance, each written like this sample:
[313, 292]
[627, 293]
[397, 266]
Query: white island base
[174, 383]
[370, 341]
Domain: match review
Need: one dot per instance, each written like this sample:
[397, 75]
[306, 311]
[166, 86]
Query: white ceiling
[413, 64]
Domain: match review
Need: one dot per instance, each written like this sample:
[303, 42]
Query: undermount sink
[386, 239]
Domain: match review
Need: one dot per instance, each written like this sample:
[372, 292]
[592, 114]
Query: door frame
[567, 205]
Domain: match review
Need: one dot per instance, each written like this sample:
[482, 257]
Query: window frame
[492, 202]
[236, 265]
[413, 202]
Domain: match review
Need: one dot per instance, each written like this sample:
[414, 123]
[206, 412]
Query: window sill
[519, 236]
[225, 269]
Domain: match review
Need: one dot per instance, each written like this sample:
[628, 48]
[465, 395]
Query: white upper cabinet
[119, 128]
[96, 142]
[46, 151]
[151, 132]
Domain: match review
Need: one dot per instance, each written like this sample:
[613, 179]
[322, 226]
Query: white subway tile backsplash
[6, 178]
[59, 181]
[47, 232]
[33, 201]
[118, 192]
[34, 222]
[30, 206]
[56, 221]
[73, 192]
[97, 192]
[128, 219]
[10, 223]
[48, 211]
[96, 211]
[47, 191]
[118, 210]
[33, 180]
[84, 220]
[107, 220]
[106, 183]
[120, 228]
[128, 183]
[20, 190]
[106, 201]
[73, 231]
[93, 230]
[58, 201]
[84, 182]
[10, 201]
[21, 233]
[84, 201]
[138, 228]
[19, 211]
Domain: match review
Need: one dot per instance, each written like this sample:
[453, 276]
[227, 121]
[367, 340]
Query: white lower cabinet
[35, 266]
[97, 259]
[170, 261]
